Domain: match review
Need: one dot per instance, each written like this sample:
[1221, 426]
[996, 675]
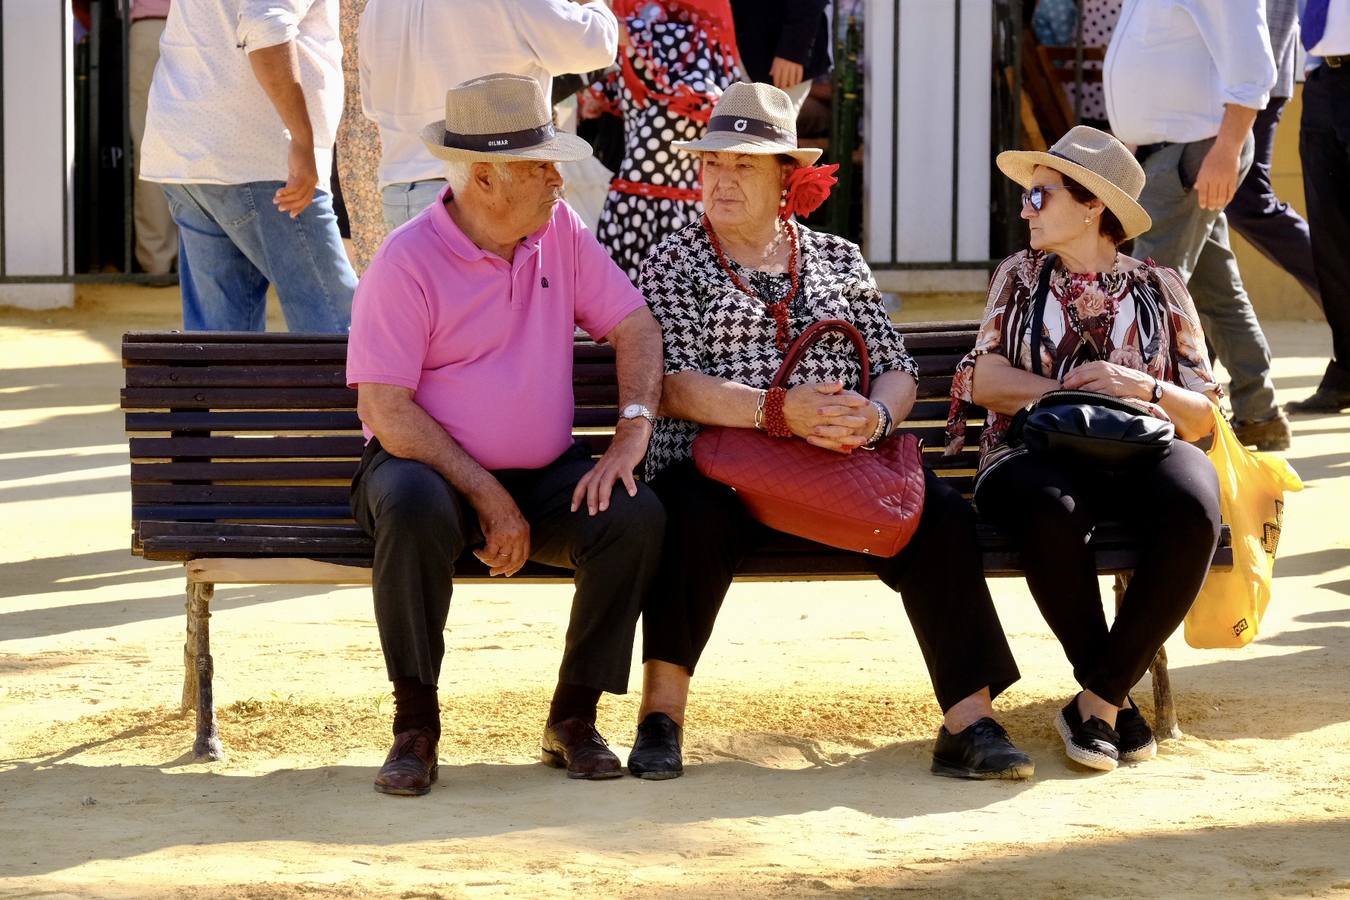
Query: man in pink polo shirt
[461, 353]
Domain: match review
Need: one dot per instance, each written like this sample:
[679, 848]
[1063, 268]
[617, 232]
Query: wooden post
[198, 672]
[1164, 711]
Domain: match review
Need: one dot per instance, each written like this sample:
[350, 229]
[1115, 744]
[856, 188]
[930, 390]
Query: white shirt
[1173, 64]
[209, 120]
[1335, 40]
[410, 52]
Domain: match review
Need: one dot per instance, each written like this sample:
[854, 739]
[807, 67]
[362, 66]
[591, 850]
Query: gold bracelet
[759, 410]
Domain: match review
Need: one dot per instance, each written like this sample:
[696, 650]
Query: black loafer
[1092, 743]
[1136, 737]
[656, 753]
[980, 750]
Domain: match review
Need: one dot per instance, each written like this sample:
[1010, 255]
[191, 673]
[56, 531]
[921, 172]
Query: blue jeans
[233, 242]
[404, 200]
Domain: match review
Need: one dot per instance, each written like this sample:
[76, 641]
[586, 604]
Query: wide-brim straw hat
[752, 118]
[500, 118]
[1098, 162]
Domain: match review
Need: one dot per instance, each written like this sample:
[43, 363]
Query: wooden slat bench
[243, 447]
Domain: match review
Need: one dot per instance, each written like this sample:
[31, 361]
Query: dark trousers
[1051, 509]
[1324, 144]
[421, 525]
[939, 576]
[1268, 223]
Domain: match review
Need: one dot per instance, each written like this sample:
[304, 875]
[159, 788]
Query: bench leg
[198, 671]
[1164, 711]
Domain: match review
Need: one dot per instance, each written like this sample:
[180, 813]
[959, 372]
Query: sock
[571, 700]
[416, 706]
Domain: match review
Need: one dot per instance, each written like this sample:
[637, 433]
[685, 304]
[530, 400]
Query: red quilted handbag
[868, 501]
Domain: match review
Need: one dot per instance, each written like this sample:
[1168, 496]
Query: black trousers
[1272, 226]
[1051, 510]
[421, 525]
[939, 576]
[1324, 145]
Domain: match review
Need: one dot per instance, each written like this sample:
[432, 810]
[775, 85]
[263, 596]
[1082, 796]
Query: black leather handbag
[1085, 426]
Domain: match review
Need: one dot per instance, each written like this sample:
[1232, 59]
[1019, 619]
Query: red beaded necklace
[778, 310]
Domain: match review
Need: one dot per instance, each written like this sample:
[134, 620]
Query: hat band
[504, 140]
[752, 127]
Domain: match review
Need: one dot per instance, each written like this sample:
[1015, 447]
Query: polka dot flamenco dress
[671, 73]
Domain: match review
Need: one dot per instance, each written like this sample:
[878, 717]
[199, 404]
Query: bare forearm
[1191, 412]
[277, 69]
[1003, 388]
[1236, 125]
[709, 400]
[897, 390]
[638, 359]
[408, 431]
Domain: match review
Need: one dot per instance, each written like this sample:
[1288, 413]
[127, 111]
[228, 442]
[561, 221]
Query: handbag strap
[815, 332]
[1038, 310]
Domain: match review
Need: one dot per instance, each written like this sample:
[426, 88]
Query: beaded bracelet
[883, 428]
[775, 422]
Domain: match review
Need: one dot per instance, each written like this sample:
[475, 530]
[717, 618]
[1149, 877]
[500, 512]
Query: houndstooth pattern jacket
[709, 326]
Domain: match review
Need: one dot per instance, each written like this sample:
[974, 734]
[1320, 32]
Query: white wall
[39, 140]
[910, 156]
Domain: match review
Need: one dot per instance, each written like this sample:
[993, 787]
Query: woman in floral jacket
[1117, 326]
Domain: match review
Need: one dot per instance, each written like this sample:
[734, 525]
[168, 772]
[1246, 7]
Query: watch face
[631, 411]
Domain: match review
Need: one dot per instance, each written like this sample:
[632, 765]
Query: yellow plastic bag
[1228, 611]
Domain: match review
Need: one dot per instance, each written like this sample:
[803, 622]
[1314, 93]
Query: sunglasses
[1036, 196]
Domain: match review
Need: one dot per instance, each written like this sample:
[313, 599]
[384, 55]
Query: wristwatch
[637, 410]
[1156, 397]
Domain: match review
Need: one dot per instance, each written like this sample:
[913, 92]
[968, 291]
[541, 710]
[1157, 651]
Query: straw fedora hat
[1098, 162]
[752, 118]
[500, 118]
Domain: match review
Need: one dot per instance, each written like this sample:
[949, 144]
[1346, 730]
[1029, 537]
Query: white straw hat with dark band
[500, 118]
[1098, 162]
[752, 118]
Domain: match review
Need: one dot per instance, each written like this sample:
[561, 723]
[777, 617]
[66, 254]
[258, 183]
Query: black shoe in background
[1325, 400]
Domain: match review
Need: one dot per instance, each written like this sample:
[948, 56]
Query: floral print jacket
[1142, 319]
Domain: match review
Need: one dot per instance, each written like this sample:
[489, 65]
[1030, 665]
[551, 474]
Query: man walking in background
[412, 51]
[1269, 224]
[1324, 144]
[243, 109]
[1184, 80]
[156, 235]
[785, 43]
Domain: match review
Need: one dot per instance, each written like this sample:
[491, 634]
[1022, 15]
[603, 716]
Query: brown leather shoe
[411, 767]
[574, 744]
[1266, 435]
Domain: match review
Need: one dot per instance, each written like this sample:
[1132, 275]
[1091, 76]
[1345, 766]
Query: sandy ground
[808, 740]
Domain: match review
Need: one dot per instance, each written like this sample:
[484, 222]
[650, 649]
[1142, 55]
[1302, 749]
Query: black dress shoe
[656, 753]
[1136, 737]
[980, 750]
[1325, 400]
[1092, 743]
[411, 768]
[574, 744]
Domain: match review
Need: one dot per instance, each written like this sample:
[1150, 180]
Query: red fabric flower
[807, 188]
